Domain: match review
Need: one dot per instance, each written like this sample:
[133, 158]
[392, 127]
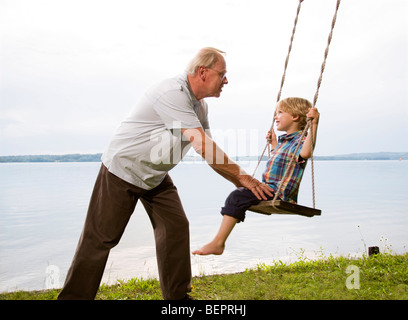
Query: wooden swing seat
[284, 207]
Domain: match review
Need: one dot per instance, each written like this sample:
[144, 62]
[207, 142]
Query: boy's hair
[296, 107]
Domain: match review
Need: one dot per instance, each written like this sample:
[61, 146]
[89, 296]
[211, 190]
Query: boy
[291, 116]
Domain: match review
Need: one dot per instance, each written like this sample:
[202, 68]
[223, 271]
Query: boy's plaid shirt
[278, 164]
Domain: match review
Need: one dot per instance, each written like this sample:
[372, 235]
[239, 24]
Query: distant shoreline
[96, 157]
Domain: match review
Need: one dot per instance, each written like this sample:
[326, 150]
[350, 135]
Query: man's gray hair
[206, 57]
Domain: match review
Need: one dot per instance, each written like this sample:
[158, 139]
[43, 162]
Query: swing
[284, 207]
[278, 206]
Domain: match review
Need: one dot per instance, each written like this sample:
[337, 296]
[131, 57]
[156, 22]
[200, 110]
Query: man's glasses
[222, 75]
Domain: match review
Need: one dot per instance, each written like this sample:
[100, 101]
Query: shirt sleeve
[175, 108]
[300, 160]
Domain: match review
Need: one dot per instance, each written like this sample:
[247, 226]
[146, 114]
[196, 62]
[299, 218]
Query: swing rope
[282, 81]
[319, 82]
[289, 51]
[308, 125]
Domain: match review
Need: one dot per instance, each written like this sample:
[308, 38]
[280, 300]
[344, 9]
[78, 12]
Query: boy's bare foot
[210, 248]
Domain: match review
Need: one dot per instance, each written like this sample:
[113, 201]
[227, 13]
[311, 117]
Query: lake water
[43, 207]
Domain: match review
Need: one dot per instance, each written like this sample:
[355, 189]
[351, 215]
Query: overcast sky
[71, 70]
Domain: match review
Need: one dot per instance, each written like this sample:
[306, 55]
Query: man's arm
[222, 164]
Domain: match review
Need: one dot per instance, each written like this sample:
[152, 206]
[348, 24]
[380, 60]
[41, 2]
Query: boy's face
[285, 121]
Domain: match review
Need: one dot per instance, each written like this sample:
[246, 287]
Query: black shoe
[188, 297]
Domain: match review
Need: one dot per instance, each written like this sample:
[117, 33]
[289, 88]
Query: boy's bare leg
[217, 245]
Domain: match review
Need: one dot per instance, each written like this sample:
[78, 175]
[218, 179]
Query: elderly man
[170, 117]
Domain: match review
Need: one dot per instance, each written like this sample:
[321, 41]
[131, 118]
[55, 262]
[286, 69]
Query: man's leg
[171, 231]
[110, 208]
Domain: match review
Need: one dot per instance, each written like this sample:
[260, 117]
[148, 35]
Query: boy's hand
[314, 115]
[271, 138]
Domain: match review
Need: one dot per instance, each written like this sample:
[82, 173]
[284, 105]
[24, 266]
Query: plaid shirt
[278, 164]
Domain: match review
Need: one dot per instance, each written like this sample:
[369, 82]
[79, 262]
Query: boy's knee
[238, 202]
[239, 197]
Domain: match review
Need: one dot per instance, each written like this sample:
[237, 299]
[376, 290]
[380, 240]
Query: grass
[380, 277]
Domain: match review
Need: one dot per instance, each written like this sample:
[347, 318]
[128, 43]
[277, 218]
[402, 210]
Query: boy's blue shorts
[238, 202]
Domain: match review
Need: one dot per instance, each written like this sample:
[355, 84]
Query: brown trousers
[112, 203]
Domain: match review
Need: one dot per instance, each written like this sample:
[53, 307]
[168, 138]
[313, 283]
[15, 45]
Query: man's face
[216, 78]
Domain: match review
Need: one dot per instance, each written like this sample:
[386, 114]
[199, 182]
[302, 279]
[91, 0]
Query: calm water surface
[43, 207]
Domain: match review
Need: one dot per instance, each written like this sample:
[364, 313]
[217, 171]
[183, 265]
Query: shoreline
[380, 276]
[96, 157]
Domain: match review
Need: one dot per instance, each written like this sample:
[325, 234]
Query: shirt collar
[185, 78]
[196, 103]
[288, 137]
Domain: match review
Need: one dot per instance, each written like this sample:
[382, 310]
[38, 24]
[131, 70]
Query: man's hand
[259, 189]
